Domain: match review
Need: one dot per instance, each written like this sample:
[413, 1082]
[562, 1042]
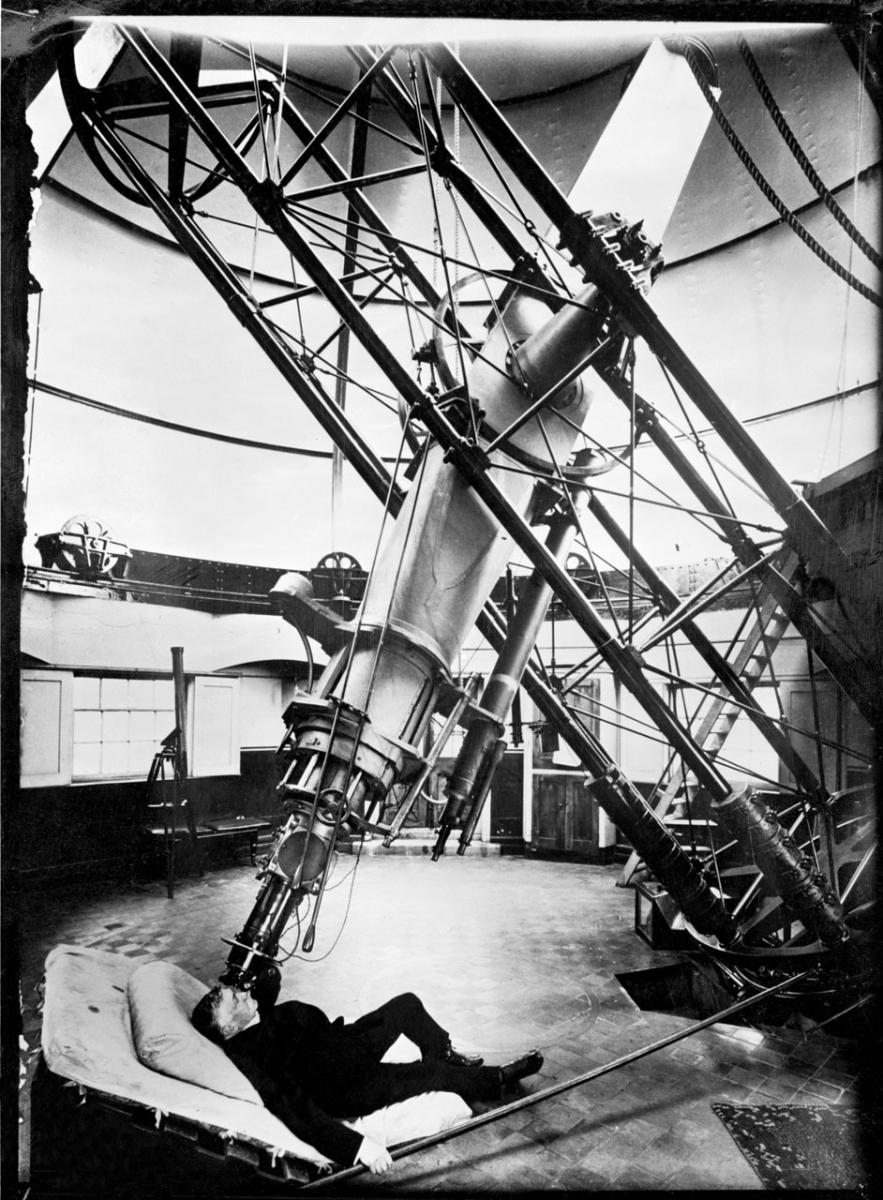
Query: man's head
[223, 1012]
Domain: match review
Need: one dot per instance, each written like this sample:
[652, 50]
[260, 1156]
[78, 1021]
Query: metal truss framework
[800, 915]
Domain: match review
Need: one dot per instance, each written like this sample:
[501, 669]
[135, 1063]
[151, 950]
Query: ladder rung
[723, 726]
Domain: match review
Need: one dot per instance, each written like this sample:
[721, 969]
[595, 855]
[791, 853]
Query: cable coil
[781, 208]
[805, 165]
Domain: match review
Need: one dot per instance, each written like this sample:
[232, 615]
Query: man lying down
[313, 1073]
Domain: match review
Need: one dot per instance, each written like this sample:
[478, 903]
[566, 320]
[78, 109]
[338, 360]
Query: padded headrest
[161, 998]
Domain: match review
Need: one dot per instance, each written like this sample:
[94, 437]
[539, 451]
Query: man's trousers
[348, 1079]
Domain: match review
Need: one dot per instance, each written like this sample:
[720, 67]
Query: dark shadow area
[694, 988]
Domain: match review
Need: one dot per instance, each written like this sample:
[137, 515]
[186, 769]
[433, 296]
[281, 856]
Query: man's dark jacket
[292, 1043]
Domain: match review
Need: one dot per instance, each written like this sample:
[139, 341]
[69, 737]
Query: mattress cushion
[88, 1038]
[161, 998]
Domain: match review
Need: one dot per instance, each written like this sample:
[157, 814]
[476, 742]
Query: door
[507, 813]
[549, 806]
[565, 816]
[581, 819]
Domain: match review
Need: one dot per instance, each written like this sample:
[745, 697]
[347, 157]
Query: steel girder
[851, 675]
[622, 799]
[668, 602]
[809, 536]
[266, 199]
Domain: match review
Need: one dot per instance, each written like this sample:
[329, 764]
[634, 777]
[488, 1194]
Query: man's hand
[375, 1157]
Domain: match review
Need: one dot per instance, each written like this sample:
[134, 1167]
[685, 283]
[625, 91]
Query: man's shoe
[457, 1058]
[520, 1068]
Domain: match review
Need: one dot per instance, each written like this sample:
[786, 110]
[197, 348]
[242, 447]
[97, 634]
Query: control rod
[565, 1086]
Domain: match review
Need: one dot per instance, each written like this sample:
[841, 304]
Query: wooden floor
[509, 954]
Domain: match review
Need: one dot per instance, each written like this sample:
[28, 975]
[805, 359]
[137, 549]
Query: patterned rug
[797, 1147]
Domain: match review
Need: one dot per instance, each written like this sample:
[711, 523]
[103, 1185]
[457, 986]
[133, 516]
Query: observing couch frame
[105, 1018]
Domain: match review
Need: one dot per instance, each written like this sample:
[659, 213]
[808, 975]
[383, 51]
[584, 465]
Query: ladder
[750, 664]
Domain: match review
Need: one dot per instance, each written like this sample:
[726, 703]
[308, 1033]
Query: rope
[393, 594]
[805, 165]
[754, 171]
[634, 435]
[443, 257]
[701, 447]
[387, 510]
[282, 81]
[436, 232]
[344, 683]
[679, 696]
[176, 426]
[32, 397]
[517, 211]
[567, 495]
[457, 159]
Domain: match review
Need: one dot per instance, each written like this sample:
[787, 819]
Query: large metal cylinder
[805, 892]
[446, 551]
[557, 348]
[482, 749]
